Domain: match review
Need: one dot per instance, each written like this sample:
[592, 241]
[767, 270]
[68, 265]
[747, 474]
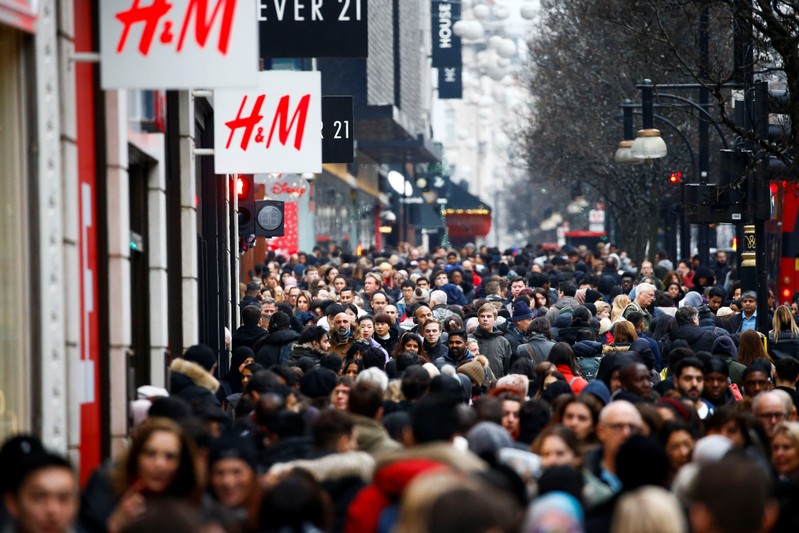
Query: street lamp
[623, 153]
[648, 144]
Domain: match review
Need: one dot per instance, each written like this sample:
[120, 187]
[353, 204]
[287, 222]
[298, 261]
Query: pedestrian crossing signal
[675, 178]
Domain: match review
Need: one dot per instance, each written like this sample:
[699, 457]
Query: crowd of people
[461, 390]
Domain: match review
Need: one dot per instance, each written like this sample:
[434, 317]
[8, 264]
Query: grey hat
[488, 437]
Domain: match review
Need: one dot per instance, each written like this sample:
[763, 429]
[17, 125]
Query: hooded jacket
[725, 349]
[190, 381]
[276, 347]
[496, 348]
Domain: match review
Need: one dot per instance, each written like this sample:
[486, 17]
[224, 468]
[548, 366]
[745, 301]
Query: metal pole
[703, 236]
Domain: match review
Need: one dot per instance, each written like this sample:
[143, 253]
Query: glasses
[772, 416]
[619, 427]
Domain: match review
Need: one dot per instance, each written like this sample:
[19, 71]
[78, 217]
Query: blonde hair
[651, 509]
[601, 305]
[784, 317]
[620, 302]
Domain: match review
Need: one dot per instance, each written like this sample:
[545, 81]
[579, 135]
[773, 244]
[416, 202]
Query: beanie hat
[431, 369]
[488, 438]
[599, 390]
[438, 297]
[521, 311]
[202, 355]
[474, 370]
[318, 382]
[233, 447]
[592, 295]
[14, 452]
[693, 299]
[724, 345]
[724, 311]
[422, 295]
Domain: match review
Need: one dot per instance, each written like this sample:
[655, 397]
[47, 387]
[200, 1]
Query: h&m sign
[273, 128]
[178, 44]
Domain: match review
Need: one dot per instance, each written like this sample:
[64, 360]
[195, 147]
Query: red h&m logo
[279, 121]
[272, 128]
[157, 19]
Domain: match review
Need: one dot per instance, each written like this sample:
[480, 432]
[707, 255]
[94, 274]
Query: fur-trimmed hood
[333, 467]
[196, 373]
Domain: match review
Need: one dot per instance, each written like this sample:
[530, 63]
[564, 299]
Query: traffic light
[245, 191]
[675, 178]
[269, 218]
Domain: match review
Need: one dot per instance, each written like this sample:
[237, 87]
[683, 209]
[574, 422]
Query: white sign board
[274, 128]
[178, 44]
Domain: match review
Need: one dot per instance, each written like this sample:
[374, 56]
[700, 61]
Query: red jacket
[577, 383]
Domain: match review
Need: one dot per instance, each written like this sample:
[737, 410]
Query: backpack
[588, 366]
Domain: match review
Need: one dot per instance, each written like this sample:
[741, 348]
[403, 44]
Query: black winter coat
[697, 338]
[276, 348]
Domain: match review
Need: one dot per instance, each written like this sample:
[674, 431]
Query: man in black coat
[688, 329]
[250, 331]
[275, 348]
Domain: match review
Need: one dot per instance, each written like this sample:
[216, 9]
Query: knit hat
[693, 299]
[422, 295]
[431, 369]
[202, 355]
[521, 311]
[438, 297]
[724, 311]
[724, 345]
[318, 382]
[599, 390]
[488, 438]
[233, 447]
[474, 370]
[14, 452]
[592, 295]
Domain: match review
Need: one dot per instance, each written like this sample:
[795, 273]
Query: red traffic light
[675, 177]
[242, 186]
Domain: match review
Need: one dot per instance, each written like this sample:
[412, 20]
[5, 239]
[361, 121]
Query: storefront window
[14, 260]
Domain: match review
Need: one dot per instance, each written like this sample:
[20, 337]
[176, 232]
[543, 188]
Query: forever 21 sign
[313, 28]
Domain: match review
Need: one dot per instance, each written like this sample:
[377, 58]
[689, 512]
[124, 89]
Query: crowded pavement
[468, 390]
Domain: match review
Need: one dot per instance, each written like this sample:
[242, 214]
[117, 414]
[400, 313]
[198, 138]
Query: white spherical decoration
[495, 42]
[496, 73]
[529, 11]
[460, 27]
[507, 48]
[476, 30]
[481, 11]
